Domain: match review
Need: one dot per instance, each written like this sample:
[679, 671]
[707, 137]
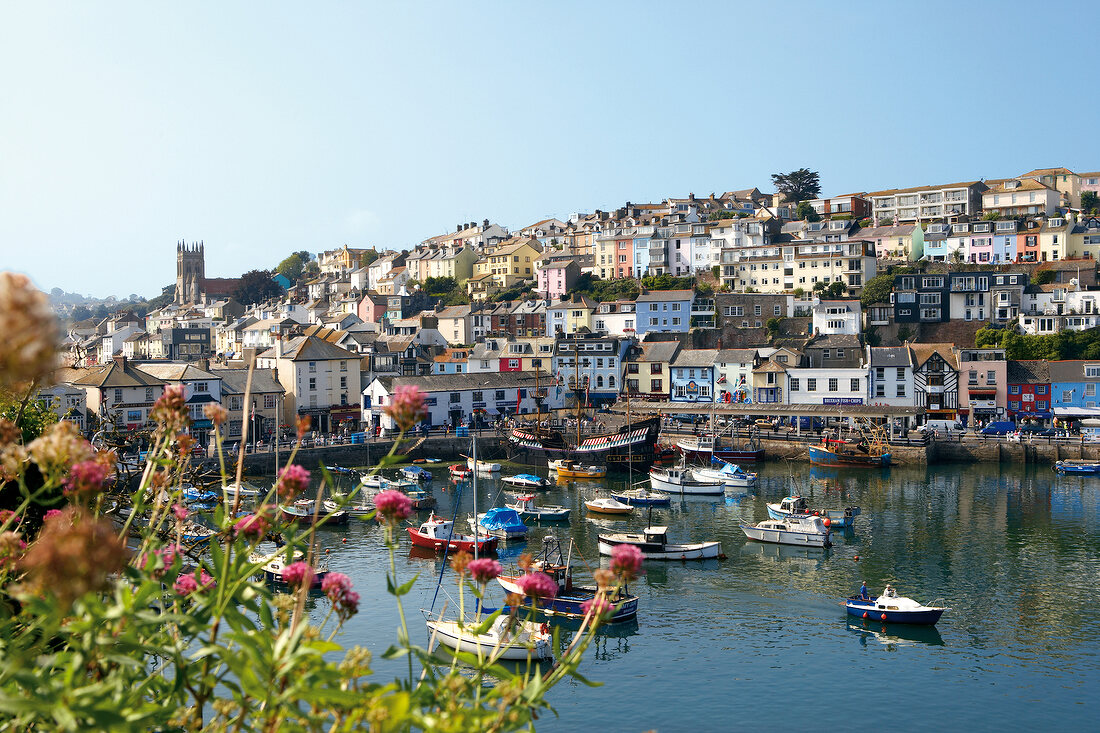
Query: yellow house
[1054, 239]
[456, 262]
[511, 264]
[569, 316]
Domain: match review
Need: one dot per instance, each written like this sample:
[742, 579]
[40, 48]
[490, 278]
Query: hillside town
[962, 304]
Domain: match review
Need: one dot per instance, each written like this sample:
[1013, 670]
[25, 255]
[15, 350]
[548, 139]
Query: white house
[456, 398]
[827, 386]
[890, 379]
[837, 317]
[200, 388]
[321, 380]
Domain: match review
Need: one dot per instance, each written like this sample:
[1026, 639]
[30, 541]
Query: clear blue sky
[264, 128]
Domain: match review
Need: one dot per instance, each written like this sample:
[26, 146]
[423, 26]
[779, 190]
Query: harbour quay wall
[776, 449]
[1046, 451]
[447, 448]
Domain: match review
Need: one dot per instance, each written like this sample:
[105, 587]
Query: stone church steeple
[190, 273]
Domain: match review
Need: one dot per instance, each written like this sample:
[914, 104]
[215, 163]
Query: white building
[837, 317]
[827, 386]
[321, 380]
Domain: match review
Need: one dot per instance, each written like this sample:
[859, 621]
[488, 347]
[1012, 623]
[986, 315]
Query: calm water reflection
[729, 644]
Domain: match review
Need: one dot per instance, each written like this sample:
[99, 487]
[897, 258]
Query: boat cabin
[437, 528]
[656, 535]
[794, 505]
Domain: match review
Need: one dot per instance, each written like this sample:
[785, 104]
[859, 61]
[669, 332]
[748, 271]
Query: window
[653, 321]
[456, 397]
[756, 310]
[655, 368]
[826, 353]
[1014, 389]
[1041, 389]
[343, 366]
[811, 385]
[1090, 390]
[1067, 395]
[513, 363]
[855, 384]
[148, 394]
[794, 384]
[901, 372]
[901, 390]
[1041, 404]
[880, 390]
[313, 383]
[777, 310]
[655, 385]
[500, 394]
[675, 321]
[972, 377]
[611, 381]
[840, 353]
[312, 367]
[834, 385]
[1092, 370]
[118, 395]
[343, 382]
[1013, 405]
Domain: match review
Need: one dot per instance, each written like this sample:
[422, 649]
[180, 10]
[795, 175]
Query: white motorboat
[525, 505]
[729, 475]
[373, 481]
[795, 507]
[484, 468]
[244, 490]
[526, 481]
[678, 480]
[804, 532]
[505, 639]
[605, 505]
[654, 544]
[356, 511]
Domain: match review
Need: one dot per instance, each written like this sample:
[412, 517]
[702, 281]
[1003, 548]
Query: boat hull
[733, 455]
[535, 448]
[1077, 468]
[869, 610]
[642, 500]
[604, 509]
[568, 603]
[657, 551]
[727, 480]
[685, 487]
[786, 536]
[825, 457]
[421, 540]
[450, 635]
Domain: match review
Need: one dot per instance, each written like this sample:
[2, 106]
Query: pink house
[557, 277]
[372, 307]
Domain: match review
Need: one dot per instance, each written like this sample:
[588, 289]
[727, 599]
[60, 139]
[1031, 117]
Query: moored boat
[707, 448]
[807, 532]
[459, 472]
[893, 609]
[372, 481]
[653, 543]
[483, 468]
[1072, 465]
[416, 473]
[526, 481]
[833, 452]
[729, 475]
[502, 522]
[420, 498]
[438, 533]
[525, 505]
[608, 506]
[355, 511]
[504, 639]
[678, 480]
[795, 507]
[304, 512]
[641, 497]
[273, 565]
[566, 468]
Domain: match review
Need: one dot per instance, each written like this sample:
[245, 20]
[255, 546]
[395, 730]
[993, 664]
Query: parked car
[763, 424]
[999, 427]
[1038, 430]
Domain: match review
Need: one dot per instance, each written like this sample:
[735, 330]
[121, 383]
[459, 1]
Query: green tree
[991, 216]
[167, 295]
[440, 285]
[798, 185]
[773, 325]
[806, 212]
[291, 267]
[877, 290]
[1090, 201]
[831, 291]
[368, 257]
[904, 334]
[256, 286]
[80, 312]
[1042, 277]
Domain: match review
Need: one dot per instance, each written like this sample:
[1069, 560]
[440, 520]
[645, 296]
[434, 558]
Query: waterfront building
[733, 374]
[769, 382]
[321, 380]
[837, 317]
[454, 323]
[592, 362]
[751, 310]
[1073, 385]
[826, 386]
[835, 351]
[266, 395]
[890, 379]
[457, 398]
[66, 402]
[693, 375]
[117, 392]
[936, 380]
[648, 369]
[1029, 390]
[200, 388]
[983, 384]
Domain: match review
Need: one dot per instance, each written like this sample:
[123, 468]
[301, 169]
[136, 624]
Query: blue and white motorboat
[1077, 466]
[527, 509]
[795, 507]
[200, 497]
[728, 474]
[416, 473]
[808, 532]
[642, 497]
[502, 522]
[526, 481]
[373, 481]
[893, 609]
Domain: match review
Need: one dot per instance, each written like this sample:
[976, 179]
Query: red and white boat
[460, 472]
[438, 533]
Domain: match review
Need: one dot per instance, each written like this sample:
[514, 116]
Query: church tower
[190, 273]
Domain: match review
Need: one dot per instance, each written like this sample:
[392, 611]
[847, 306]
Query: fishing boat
[570, 598]
[502, 522]
[729, 475]
[870, 449]
[1076, 466]
[416, 473]
[726, 449]
[273, 565]
[654, 544]
[420, 498]
[678, 480]
[438, 533]
[605, 505]
[525, 505]
[460, 472]
[803, 532]
[566, 468]
[526, 481]
[506, 639]
[893, 609]
[795, 507]
[484, 468]
[641, 497]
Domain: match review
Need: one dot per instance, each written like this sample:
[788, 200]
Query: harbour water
[760, 639]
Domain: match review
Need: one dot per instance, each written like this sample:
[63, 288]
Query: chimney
[691, 197]
[278, 346]
[458, 227]
[203, 364]
[485, 224]
[120, 360]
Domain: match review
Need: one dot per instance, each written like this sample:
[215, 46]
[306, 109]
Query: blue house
[664, 310]
[693, 374]
[641, 256]
[1073, 389]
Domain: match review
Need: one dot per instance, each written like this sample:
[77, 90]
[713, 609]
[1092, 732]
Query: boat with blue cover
[729, 474]
[501, 522]
[527, 481]
[893, 609]
[416, 473]
[1076, 466]
[795, 507]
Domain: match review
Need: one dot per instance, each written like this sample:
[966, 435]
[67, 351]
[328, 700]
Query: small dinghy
[505, 639]
[438, 533]
[654, 544]
[245, 491]
[302, 512]
[526, 481]
[804, 532]
[272, 567]
[893, 609]
[355, 511]
[484, 468]
[606, 505]
[525, 505]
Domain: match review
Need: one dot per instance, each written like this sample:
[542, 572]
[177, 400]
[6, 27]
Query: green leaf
[403, 588]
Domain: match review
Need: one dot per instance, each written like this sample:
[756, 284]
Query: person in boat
[888, 592]
[863, 594]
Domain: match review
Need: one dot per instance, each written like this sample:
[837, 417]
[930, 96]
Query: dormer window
[838, 224]
[1057, 222]
[1009, 185]
[959, 228]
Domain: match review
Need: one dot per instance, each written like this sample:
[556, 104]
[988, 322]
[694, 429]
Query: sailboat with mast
[633, 444]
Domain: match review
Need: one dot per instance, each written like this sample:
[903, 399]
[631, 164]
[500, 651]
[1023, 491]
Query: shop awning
[1077, 411]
